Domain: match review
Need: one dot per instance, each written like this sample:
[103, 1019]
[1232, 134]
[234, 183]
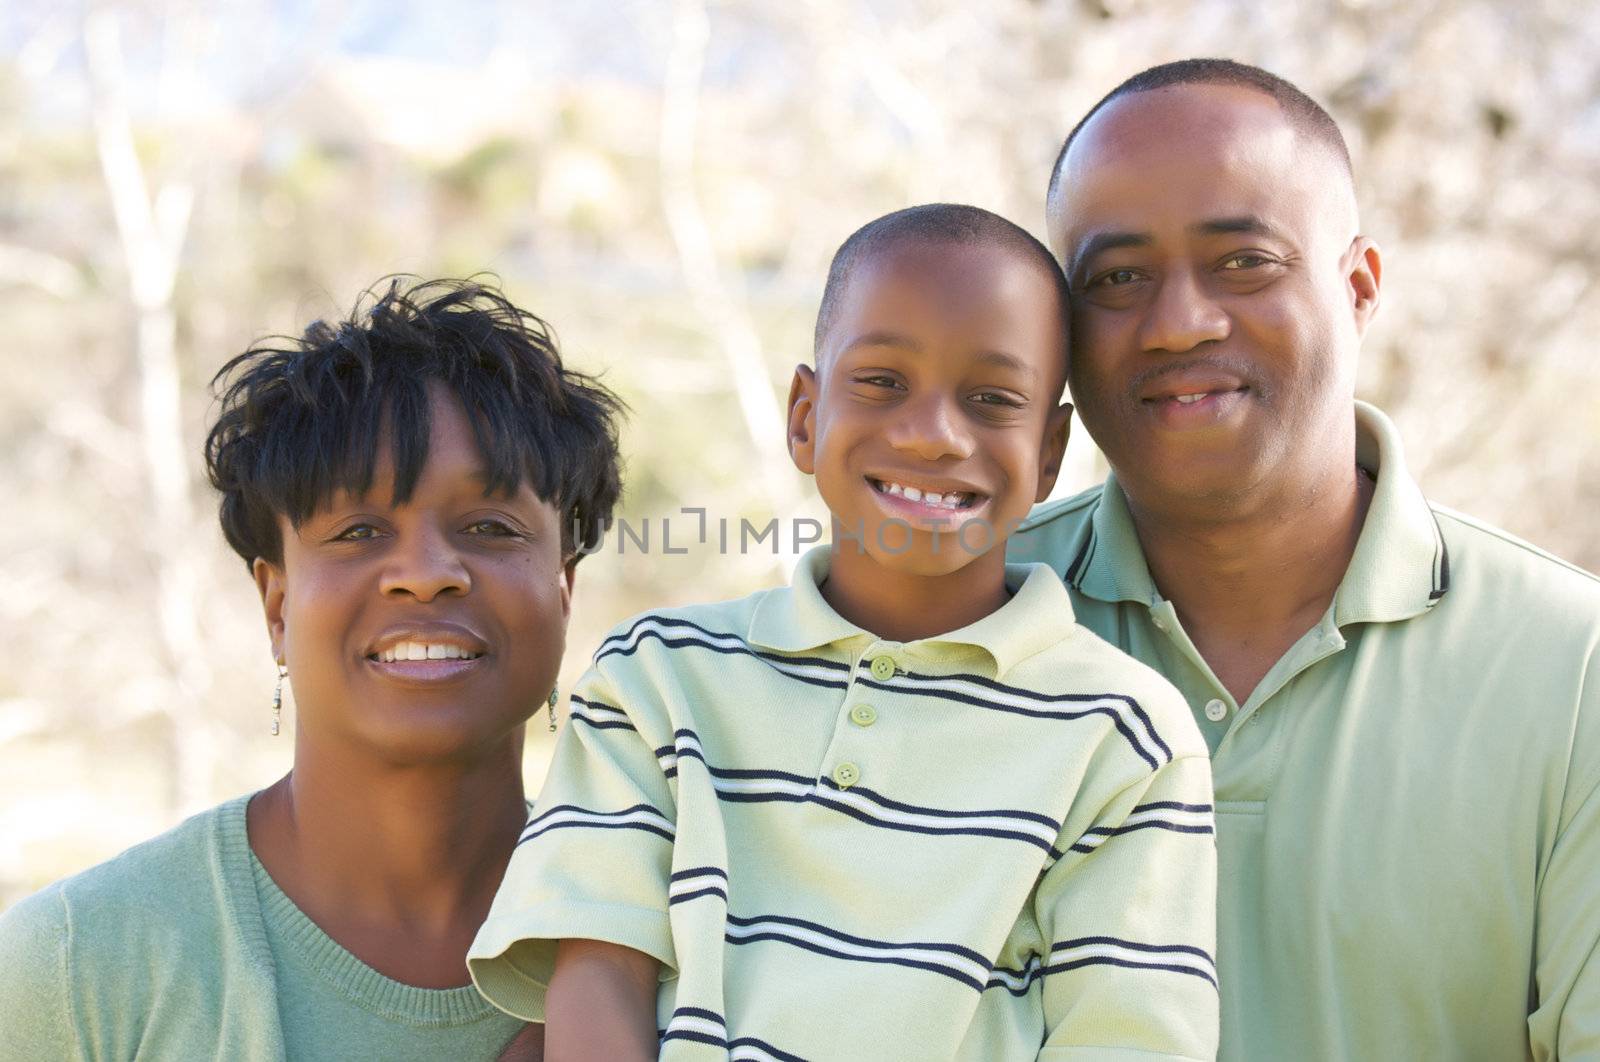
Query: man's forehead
[1206, 151]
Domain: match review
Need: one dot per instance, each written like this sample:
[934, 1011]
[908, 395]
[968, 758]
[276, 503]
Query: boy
[906, 807]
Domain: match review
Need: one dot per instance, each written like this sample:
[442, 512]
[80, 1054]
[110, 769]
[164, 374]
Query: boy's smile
[933, 406]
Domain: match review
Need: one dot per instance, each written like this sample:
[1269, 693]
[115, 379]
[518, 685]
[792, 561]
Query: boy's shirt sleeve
[1129, 911]
[593, 862]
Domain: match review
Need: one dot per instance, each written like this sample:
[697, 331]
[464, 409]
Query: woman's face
[426, 631]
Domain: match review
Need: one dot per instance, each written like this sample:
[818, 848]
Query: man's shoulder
[1047, 531]
[1493, 568]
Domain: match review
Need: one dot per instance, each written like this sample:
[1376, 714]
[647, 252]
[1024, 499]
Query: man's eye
[1114, 278]
[1246, 261]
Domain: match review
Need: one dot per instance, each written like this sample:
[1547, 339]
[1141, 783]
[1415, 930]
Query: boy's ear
[1054, 450]
[269, 582]
[803, 419]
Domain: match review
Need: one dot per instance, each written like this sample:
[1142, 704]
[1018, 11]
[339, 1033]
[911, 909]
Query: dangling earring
[555, 692]
[277, 701]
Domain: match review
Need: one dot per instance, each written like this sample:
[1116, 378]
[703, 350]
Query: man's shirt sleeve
[593, 862]
[1565, 1022]
[1129, 911]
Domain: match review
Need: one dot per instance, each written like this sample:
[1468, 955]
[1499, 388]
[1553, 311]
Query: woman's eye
[490, 527]
[356, 533]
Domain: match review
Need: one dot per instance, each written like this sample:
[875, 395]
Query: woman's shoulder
[175, 891]
[170, 904]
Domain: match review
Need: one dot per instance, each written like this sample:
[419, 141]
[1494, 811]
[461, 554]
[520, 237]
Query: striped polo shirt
[842, 847]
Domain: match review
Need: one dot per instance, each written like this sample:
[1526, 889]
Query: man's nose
[1182, 316]
[932, 429]
[423, 564]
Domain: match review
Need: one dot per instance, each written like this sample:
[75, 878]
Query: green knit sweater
[183, 948]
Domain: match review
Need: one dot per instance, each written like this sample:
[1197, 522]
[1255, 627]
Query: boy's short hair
[930, 223]
[303, 418]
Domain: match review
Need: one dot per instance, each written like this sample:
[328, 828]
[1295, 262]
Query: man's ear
[803, 419]
[1365, 278]
[270, 584]
[1054, 450]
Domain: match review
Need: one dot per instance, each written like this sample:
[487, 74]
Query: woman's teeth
[953, 500]
[424, 651]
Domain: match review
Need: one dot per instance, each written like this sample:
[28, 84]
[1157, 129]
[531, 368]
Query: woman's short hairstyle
[303, 418]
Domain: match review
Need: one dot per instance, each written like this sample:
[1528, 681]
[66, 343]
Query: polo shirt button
[863, 715]
[846, 775]
[1216, 711]
[883, 668]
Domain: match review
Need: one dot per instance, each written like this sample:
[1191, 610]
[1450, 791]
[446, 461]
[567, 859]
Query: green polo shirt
[1408, 819]
[843, 847]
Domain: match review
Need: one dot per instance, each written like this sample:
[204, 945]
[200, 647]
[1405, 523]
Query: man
[1402, 704]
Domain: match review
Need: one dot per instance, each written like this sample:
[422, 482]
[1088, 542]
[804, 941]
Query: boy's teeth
[894, 488]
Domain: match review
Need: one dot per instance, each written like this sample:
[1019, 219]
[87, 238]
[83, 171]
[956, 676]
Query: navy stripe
[591, 811]
[610, 724]
[598, 724]
[699, 1012]
[709, 890]
[1036, 713]
[1106, 960]
[667, 621]
[1170, 805]
[751, 1041]
[1080, 562]
[891, 960]
[1134, 945]
[953, 949]
[699, 872]
[697, 1037]
[1120, 830]
[1003, 813]
[645, 826]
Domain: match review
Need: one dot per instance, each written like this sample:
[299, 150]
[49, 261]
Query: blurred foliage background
[665, 181]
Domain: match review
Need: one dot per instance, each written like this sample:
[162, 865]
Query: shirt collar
[797, 618]
[1399, 569]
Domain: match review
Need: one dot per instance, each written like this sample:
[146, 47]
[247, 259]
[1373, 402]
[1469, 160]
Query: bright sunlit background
[665, 182]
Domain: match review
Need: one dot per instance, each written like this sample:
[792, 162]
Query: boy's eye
[996, 398]
[878, 380]
[356, 533]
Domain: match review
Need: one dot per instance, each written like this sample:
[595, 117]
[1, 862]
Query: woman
[410, 492]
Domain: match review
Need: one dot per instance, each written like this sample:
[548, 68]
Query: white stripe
[763, 785]
[1115, 951]
[647, 817]
[720, 641]
[597, 713]
[861, 802]
[1012, 979]
[699, 881]
[694, 1023]
[1175, 816]
[958, 963]
[1023, 699]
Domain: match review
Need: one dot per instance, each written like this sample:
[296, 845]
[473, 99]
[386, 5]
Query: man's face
[474, 584]
[1219, 293]
[934, 402]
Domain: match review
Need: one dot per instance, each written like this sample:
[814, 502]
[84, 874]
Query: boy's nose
[932, 430]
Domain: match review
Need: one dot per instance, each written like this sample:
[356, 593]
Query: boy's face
[933, 404]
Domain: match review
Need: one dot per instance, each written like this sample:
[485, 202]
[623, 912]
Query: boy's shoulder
[1084, 665]
[727, 622]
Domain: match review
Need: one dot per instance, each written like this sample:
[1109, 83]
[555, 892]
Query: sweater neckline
[257, 893]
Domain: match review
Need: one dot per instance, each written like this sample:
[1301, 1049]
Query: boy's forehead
[919, 286]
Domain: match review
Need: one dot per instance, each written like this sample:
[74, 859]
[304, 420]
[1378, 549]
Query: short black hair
[1304, 113]
[930, 223]
[303, 418]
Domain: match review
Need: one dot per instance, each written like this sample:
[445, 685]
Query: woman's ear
[270, 584]
[803, 418]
